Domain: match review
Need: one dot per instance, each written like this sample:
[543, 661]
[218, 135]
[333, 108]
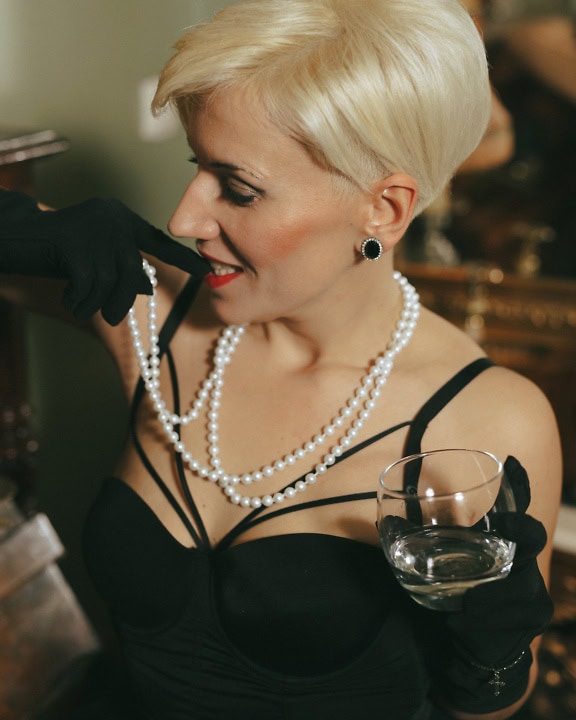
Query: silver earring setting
[371, 249]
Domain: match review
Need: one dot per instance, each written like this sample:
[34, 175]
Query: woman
[237, 545]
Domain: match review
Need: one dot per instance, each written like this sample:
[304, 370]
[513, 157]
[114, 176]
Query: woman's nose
[192, 217]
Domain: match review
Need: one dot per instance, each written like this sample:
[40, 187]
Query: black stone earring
[372, 249]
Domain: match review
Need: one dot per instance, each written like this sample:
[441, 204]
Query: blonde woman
[236, 544]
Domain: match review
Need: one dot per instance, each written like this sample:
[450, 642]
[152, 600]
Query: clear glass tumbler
[436, 513]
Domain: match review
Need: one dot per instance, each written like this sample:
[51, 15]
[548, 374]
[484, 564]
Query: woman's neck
[348, 329]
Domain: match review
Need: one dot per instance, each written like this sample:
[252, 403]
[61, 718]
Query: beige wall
[74, 66]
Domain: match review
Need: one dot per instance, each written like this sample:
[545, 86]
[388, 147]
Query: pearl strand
[362, 402]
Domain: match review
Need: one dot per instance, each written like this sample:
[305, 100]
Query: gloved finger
[156, 243]
[518, 479]
[528, 533]
[88, 289]
[129, 269]
[78, 304]
[143, 285]
[116, 307]
[131, 281]
[500, 618]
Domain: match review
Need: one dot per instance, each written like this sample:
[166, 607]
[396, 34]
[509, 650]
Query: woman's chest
[298, 603]
[336, 499]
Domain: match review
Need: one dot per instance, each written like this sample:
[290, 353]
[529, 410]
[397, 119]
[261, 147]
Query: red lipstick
[216, 281]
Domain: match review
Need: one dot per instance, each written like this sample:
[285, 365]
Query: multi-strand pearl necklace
[361, 404]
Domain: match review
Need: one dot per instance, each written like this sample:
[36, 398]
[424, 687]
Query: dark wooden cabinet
[19, 153]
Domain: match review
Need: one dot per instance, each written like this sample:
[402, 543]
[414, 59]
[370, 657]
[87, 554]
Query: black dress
[289, 627]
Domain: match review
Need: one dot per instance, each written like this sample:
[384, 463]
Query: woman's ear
[393, 200]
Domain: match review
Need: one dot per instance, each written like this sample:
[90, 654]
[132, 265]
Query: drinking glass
[436, 514]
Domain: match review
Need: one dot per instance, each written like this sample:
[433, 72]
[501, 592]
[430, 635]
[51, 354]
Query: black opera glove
[488, 655]
[95, 245]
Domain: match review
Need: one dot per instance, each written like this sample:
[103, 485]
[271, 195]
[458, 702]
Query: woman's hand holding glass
[473, 553]
[437, 523]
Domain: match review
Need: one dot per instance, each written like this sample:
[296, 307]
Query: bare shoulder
[525, 427]
[499, 404]
[510, 410]
[499, 410]
[507, 414]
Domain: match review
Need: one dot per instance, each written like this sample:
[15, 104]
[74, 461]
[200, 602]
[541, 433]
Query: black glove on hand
[95, 245]
[489, 657]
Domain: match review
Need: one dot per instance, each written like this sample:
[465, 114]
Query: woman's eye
[234, 190]
[236, 197]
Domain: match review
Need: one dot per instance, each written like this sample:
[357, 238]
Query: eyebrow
[219, 165]
[228, 166]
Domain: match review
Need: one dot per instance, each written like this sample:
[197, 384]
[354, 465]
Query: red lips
[216, 281]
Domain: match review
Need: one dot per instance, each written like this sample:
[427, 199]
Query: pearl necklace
[361, 404]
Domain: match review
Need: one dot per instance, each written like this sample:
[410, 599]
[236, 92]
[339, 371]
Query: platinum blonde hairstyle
[368, 88]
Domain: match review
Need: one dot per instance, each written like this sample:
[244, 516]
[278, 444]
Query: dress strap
[178, 312]
[255, 517]
[417, 428]
[175, 317]
[440, 399]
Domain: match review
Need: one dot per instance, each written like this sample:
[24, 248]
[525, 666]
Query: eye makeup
[242, 196]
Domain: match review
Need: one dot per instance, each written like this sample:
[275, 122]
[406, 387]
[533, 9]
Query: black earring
[372, 249]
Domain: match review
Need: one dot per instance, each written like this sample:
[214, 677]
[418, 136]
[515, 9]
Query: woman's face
[281, 233]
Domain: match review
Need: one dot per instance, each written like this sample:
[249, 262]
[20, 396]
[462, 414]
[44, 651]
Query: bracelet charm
[496, 680]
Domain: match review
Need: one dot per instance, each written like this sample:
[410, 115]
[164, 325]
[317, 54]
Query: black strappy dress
[292, 627]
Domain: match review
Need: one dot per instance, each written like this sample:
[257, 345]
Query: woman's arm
[33, 293]
[96, 247]
[503, 621]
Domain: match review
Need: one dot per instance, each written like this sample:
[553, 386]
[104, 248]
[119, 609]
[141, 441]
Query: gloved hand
[488, 650]
[95, 245]
[500, 619]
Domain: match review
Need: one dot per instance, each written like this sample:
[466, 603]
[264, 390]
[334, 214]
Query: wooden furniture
[19, 153]
[46, 641]
[45, 638]
[527, 324]
[19, 150]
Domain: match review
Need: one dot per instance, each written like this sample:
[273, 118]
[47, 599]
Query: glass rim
[402, 494]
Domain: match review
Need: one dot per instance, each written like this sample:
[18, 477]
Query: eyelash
[231, 195]
[237, 198]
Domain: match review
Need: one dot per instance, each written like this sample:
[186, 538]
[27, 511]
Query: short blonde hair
[368, 88]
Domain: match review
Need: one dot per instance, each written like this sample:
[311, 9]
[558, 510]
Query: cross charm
[497, 683]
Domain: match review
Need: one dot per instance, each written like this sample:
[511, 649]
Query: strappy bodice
[196, 528]
[285, 626]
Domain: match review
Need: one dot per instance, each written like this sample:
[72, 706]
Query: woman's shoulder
[498, 405]
[499, 410]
